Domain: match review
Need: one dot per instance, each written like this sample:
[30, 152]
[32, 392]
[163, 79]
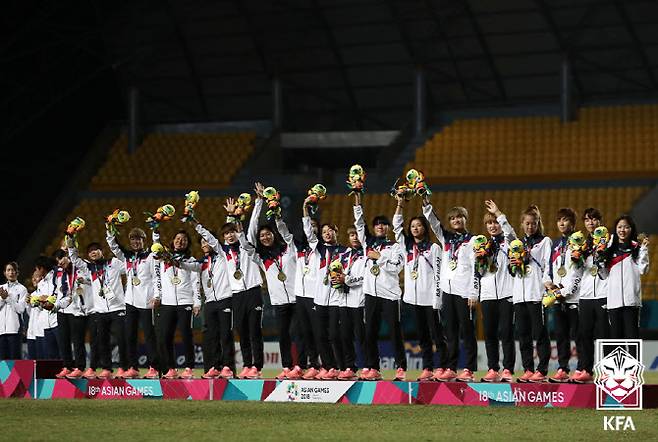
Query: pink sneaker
[121, 373]
[373, 375]
[295, 373]
[425, 375]
[243, 373]
[171, 374]
[466, 376]
[75, 374]
[152, 373]
[575, 375]
[330, 375]
[210, 374]
[226, 373]
[347, 375]
[105, 374]
[187, 373]
[491, 376]
[584, 378]
[311, 373]
[559, 377]
[437, 374]
[400, 374]
[284, 374]
[525, 377]
[253, 373]
[364, 374]
[321, 373]
[506, 376]
[448, 375]
[538, 377]
[63, 373]
[89, 373]
[132, 373]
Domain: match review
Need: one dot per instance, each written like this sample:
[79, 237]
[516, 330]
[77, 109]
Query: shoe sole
[490, 381]
[556, 381]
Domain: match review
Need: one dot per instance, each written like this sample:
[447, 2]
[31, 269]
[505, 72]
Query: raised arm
[74, 255]
[282, 227]
[114, 246]
[360, 224]
[398, 222]
[433, 220]
[210, 239]
[250, 249]
[252, 230]
[505, 226]
[311, 237]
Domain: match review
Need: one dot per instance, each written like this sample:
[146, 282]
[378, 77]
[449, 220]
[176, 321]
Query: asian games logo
[292, 390]
[618, 374]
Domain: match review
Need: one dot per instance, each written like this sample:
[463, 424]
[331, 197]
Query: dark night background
[65, 67]
[57, 94]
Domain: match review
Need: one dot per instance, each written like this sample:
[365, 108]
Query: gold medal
[79, 291]
[136, 281]
[413, 274]
[325, 281]
[375, 270]
[175, 280]
[528, 270]
[306, 270]
[594, 271]
[562, 272]
[281, 276]
[237, 274]
[453, 264]
[209, 284]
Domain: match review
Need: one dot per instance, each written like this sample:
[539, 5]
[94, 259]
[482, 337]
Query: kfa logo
[618, 374]
[618, 423]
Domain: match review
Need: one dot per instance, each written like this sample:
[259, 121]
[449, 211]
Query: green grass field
[80, 420]
[148, 420]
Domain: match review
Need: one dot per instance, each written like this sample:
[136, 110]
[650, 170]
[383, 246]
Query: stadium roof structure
[343, 64]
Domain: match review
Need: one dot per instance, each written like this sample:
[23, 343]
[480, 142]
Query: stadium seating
[604, 143]
[175, 161]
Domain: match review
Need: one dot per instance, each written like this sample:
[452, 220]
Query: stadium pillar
[420, 100]
[277, 103]
[566, 92]
[134, 130]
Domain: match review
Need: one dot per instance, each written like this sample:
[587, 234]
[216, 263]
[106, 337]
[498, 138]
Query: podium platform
[18, 380]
